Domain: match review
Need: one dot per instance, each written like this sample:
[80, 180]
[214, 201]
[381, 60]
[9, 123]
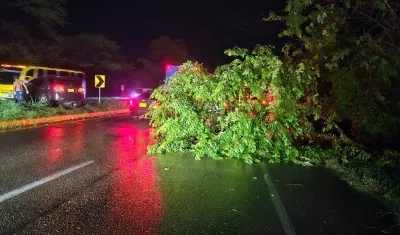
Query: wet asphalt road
[93, 177]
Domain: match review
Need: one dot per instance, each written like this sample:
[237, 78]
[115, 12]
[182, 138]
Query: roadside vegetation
[331, 100]
[10, 110]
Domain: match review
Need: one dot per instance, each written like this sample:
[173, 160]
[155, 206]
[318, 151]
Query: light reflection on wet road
[137, 179]
[53, 151]
[122, 182]
[125, 192]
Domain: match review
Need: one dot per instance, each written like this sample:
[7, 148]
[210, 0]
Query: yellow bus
[27, 73]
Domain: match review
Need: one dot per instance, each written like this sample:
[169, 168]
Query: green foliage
[258, 118]
[353, 49]
[389, 158]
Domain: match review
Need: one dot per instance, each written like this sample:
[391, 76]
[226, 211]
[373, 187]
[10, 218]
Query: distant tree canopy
[162, 50]
[86, 50]
[29, 35]
[27, 26]
[167, 50]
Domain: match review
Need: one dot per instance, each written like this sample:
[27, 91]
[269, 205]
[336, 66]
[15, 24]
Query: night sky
[208, 27]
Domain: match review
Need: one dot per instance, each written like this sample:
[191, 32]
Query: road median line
[279, 208]
[22, 123]
[37, 183]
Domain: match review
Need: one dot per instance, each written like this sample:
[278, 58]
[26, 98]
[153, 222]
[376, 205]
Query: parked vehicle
[139, 105]
[57, 90]
[28, 73]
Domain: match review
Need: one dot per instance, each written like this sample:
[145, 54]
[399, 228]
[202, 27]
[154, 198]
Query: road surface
[93, 177]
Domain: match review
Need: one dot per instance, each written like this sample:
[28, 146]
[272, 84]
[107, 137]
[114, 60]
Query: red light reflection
[53, 148]
[57, 145]
[78, 141]
[135, 192]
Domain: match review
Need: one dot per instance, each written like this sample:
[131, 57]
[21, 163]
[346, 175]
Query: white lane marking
[279, 208]
[37, 183]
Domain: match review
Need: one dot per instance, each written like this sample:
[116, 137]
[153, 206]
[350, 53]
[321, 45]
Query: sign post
[100, 82]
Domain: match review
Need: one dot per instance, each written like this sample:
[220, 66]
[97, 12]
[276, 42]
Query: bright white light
[134, 94]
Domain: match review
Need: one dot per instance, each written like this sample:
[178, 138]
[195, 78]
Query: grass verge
[381, 182]
[12, 111]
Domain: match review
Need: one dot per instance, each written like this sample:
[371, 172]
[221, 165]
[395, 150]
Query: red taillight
[133, 102]
[80, 90]
[58, 88]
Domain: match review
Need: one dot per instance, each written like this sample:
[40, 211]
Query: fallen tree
[259, 116]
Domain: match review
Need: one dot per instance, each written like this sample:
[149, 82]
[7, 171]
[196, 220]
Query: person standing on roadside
[18, 87]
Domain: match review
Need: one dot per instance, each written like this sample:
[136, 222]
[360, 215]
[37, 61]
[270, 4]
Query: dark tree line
[29, 32]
